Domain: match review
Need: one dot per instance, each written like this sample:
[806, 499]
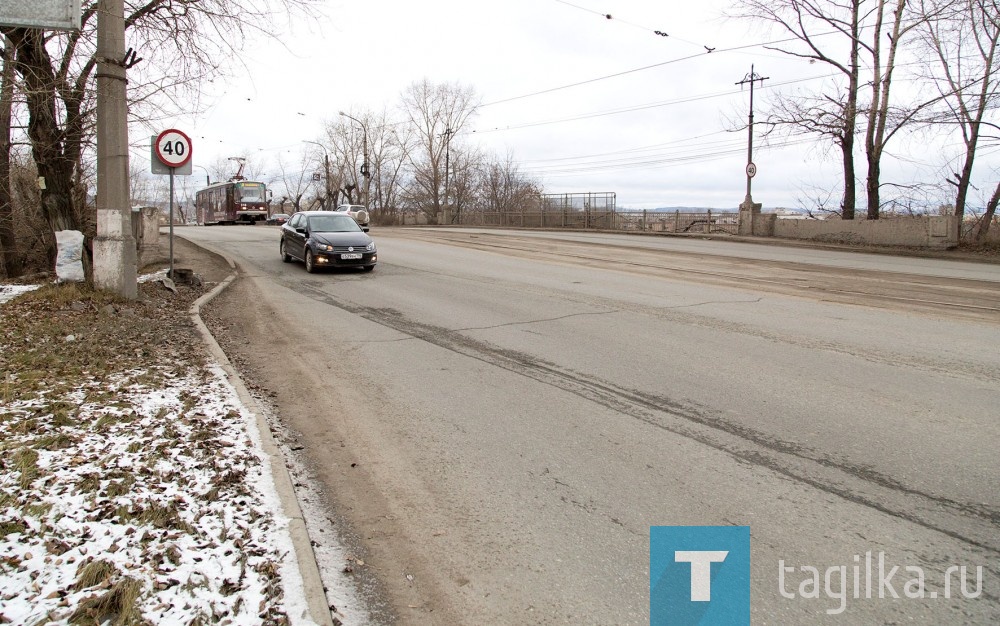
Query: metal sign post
[172, 152]
[170, 272]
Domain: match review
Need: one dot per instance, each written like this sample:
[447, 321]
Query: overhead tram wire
[656, 146]
[639, 165]
[718, 147]
[644, 68]
[642, 107]
[657, 32]
[654, 162]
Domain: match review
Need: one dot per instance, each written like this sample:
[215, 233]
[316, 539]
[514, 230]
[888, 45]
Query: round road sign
[751, 170]
[173, 148]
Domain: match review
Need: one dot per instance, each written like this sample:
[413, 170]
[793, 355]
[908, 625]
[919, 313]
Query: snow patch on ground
[160, 486]
[9, 292]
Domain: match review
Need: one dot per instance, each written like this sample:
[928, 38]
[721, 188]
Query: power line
[628, 150]
[655, 161]
[642, 107]
[586, 82]
[647, 67]
[608, 16]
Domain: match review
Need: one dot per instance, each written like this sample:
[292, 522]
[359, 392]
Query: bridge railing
[631, 221]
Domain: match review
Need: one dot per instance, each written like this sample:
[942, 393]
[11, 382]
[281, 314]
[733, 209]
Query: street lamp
[326, 168]
[208, 177]
[364, 164]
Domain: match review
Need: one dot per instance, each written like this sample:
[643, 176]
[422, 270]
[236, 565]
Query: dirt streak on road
[949, 297]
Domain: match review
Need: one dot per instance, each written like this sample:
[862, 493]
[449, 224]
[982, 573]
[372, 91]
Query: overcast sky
[649, 123]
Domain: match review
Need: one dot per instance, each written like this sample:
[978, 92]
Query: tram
[232, 202]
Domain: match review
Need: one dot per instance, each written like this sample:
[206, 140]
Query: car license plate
[351, 255]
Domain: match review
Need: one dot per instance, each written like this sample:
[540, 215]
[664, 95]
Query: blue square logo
[699, 575]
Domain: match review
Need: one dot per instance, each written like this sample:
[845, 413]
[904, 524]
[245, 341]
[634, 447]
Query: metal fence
[594, 219]
[590, 201]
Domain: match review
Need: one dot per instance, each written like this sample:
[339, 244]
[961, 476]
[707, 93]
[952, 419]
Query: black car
[277, 219]
[326, 239]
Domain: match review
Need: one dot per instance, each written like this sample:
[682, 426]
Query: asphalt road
[499, 417]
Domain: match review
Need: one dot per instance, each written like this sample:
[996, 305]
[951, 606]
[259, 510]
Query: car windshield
[333, 224]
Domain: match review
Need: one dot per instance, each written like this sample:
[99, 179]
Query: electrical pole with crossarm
[447, 167]
[749, 208]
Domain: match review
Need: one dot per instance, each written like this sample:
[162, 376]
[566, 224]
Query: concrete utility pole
[749, 208]
[447, 165]
[114, 247]
[326, 185]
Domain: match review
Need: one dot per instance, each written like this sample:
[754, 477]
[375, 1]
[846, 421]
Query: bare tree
[962, 37]
[383, 145]
[143, 187]
[10, 261]
[505, 188]
[296, 180]
[179, 41]
[817, 203]
[832, 114]
[465, 180]
[878, 131]
[988, 215]
[437, 113]
[390, 148]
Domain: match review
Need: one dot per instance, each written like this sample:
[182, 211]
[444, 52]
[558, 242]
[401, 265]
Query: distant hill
[701, 209]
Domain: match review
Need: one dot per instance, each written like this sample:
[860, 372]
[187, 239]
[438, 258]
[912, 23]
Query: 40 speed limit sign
[173, 148]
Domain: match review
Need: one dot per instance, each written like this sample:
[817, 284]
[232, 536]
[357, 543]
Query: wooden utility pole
[114, 247]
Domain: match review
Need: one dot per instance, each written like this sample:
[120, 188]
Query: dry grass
[55, 336]
[26, 463]
[117, 606]
[93, 573]
[62, 338]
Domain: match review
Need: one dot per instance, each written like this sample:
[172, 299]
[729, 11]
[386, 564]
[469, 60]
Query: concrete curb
[312, 583]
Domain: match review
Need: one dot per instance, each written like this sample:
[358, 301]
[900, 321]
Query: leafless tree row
[422, 163]
[48, 91]
[957, 69]
[418, 159]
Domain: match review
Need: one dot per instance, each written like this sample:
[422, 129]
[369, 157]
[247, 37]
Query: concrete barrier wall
[147, 235]
[939, 232]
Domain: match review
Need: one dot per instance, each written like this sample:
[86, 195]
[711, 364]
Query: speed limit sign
[173, 148]
[751, 170]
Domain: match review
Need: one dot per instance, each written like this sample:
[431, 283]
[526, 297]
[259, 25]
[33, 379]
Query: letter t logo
[699, 575]
[701, 570]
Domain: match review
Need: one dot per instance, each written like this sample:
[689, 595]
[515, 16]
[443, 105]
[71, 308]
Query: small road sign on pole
[751, 170]
[173, 148]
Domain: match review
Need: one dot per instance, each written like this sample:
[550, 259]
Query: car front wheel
[284, 255]
[310, 264]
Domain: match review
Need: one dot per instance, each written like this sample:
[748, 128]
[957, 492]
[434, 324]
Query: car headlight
[322, 247]
[370, 247]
